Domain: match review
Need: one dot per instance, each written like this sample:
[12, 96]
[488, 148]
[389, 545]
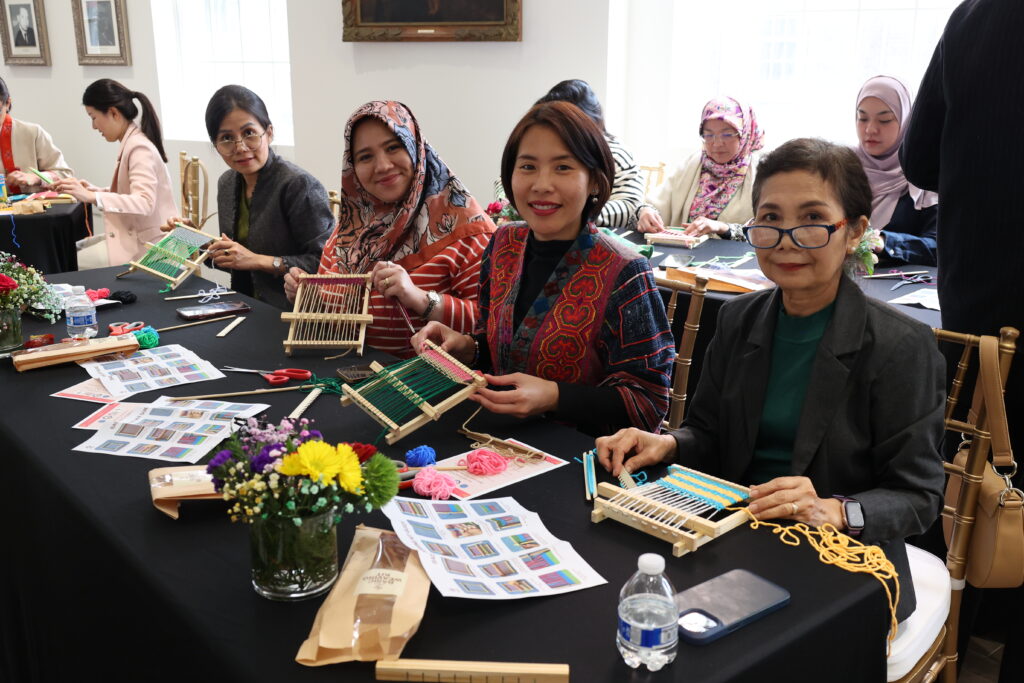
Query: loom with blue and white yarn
[680, 508]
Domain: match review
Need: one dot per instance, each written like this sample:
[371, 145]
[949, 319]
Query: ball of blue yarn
[421, 456]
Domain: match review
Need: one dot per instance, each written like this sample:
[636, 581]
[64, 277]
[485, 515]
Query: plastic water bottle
[81, 314]
[647, 616]
[3, 189]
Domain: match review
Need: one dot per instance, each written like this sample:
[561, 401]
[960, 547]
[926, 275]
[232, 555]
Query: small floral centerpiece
[865, 256]
[501, 212]
[292, 488]
[22, 288]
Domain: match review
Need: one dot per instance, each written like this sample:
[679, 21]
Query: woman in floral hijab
[710, 193]
[407, 220]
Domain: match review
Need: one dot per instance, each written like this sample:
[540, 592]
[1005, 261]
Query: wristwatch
[853, 515]
[433, 299]
[278, 262]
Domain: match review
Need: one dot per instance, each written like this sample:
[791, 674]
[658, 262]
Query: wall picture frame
[101, 32]
[23, 26]
[436, 20]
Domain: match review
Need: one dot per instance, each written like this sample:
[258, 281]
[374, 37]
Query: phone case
[725, 603]
[218, 309]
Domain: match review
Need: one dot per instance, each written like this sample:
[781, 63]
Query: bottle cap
[77, 289]
[651, 563]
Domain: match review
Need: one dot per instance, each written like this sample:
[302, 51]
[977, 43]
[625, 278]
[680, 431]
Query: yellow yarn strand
[838, 549]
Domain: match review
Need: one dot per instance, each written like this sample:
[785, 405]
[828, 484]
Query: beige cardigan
[139, 199]
[33, 148]
[673, 197]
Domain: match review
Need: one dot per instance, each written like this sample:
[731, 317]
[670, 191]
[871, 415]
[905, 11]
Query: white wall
[466, 96]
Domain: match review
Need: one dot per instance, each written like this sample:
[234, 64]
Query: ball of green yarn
[380, 480]
[148, 337]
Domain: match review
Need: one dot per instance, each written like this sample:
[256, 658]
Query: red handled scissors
[275, 378]
[123, 327]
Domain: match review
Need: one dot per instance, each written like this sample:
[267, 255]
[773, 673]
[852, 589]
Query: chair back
[335, 202]
[653, 176]
[684, 351]
[194, 200]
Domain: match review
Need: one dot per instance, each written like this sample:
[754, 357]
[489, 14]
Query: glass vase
[294, 561]
[10, 329]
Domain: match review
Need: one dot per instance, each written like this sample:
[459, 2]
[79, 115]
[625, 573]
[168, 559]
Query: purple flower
[265, 457]
[218, 460]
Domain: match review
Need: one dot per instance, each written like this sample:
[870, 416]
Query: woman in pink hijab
[906, 215]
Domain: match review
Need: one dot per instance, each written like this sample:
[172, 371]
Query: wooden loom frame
[348, 324]
[427, 411]
[674, 237]
[188, 266]
[689, 532]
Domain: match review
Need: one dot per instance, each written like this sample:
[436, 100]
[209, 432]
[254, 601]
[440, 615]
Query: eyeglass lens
[250, 139]
[805, 236]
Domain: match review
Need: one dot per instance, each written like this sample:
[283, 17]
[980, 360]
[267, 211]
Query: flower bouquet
[864, 257]
[23, 287]
[501, 212]
[292, 487]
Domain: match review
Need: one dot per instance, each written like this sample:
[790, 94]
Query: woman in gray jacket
[273, 215]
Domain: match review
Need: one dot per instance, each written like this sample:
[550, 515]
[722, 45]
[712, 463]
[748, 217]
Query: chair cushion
[918, 631]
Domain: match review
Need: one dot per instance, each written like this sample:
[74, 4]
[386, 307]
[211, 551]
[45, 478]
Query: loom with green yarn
[175, 257]
[404, 396]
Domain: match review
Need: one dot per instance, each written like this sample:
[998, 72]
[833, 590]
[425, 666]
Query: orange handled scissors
[275, 378]
[123, 327]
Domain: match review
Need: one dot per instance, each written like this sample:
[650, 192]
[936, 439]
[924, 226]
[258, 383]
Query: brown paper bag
[375, 606]
[171, 485]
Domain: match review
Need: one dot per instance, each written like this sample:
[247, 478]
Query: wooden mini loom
[675, 237]
[175, 257]
[403, 390]
[331, 312]
[679, 508]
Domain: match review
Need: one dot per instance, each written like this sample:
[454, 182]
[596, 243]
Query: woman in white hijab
[906, 215]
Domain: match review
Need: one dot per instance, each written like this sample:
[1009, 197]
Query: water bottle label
[646, 637]
[82, 319]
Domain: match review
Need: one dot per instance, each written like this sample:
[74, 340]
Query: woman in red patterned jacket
[571, 322]
[407, 220]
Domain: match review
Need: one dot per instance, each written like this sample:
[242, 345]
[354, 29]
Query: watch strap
[433, 299]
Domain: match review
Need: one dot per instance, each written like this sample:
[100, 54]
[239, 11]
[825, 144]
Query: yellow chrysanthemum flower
[317, 460]
[350, 475]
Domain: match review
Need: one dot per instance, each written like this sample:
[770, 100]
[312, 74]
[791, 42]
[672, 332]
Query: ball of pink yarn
[430, 482]
[483, 461]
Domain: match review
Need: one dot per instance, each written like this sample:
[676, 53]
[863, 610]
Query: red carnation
[7, 284]
[364, 451]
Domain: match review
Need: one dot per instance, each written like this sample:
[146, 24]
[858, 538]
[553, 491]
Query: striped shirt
[627, 189]
[454, 273]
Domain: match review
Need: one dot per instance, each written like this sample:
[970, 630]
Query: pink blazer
[139, 199]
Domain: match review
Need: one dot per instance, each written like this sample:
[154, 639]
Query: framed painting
[399, 20]
[24, 32]
[101, 32]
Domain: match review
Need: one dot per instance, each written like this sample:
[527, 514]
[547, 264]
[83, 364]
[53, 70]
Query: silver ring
[795, 507]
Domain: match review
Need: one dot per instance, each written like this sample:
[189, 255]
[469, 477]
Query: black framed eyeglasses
[250, 139]
[803, 236]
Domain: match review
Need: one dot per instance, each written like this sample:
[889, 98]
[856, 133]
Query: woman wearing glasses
[408, 221]
[827, 402]
[273, 215]
[906, 215]
[710, 193]
[139, 198]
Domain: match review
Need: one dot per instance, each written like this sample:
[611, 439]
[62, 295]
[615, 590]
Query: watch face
[854, 514]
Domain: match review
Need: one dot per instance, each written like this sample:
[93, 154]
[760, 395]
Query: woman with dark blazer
[827, 402]
[273, 215]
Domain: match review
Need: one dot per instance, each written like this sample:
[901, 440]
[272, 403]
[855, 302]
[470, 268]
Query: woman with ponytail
[139, 198]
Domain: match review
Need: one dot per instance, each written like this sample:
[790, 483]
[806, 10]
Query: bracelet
[476, 351]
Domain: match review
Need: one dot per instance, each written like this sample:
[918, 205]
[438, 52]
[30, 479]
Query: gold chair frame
[193, 200]
[941, 657]
[653, 176]
[684, 350]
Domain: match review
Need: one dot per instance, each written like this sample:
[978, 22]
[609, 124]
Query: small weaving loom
[404, 389]
[675, 237]
[175, 257]
[679, 508]
[331, 312]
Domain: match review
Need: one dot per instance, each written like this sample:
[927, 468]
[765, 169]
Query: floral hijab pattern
[719, 182]
[437, 210]
[884, 172]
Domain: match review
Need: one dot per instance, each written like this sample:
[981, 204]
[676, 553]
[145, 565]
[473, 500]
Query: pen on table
[899, 274]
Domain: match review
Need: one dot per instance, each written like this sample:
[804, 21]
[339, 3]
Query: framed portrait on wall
[101, 32]
[24, 32]
[399, 20]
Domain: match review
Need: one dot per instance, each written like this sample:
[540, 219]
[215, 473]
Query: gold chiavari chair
[684, 350]
[193, 199]
[653, 176]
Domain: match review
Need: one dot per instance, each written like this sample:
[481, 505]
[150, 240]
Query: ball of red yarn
[94, 294]
[483, 461]
[430, 482]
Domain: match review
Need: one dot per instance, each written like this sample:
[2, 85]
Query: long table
[95, 580]
[47, 240]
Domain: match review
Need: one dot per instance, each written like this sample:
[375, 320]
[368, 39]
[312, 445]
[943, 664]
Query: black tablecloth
[95, 580]
[46, 240]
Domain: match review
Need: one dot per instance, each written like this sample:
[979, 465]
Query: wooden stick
[198, 322]
[227, 330]
[439, 469]
[445, 671]
[886, 275]
[195, 296]
[245, 393]
[306, 403]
